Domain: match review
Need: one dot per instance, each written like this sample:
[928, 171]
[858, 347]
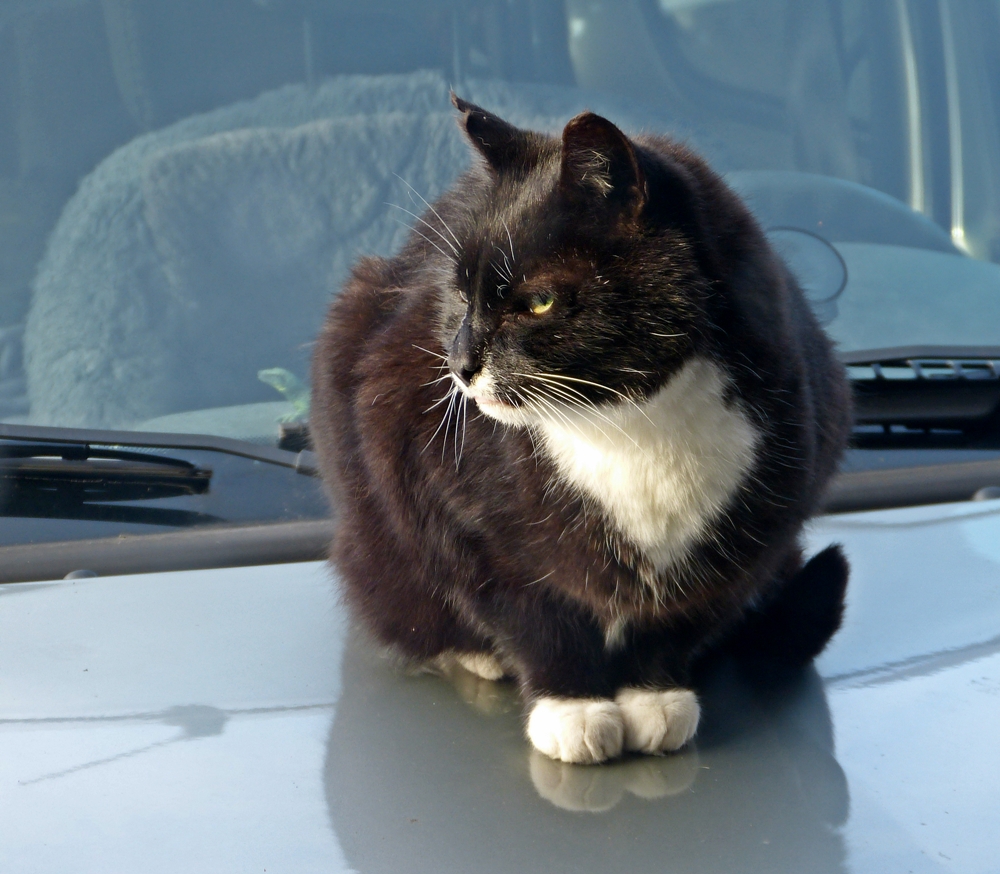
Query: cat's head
[578, 278]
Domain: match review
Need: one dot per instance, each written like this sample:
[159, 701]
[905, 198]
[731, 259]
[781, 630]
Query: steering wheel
[836, 210]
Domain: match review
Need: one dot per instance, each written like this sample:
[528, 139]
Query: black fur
[794, 625]
[460, 535]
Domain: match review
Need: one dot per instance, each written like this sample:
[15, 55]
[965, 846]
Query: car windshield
[184, 185]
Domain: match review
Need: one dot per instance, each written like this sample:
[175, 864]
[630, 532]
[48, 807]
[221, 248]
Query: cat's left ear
[504, 146]
[598, 161]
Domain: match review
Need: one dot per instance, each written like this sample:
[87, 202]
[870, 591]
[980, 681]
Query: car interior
[184, 186]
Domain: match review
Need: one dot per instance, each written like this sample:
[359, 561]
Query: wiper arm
[82, 472]
[303, 462]
[926, 387]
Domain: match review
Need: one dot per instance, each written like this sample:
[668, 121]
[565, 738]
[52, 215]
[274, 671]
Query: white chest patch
[662, 471]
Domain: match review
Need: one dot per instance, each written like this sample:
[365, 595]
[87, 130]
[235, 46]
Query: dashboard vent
[921, 389]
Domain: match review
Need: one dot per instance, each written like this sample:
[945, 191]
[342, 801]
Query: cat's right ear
[504, 146]
[599, 164]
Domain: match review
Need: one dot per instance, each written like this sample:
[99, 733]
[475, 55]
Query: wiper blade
[84, 472]
[303, 462]
[950, 388]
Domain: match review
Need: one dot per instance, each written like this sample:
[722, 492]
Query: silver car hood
[231, 720]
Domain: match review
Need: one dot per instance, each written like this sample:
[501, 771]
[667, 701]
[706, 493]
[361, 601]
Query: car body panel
[234, 720]
[182, 188]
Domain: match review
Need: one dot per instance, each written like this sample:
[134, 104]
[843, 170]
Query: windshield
[184, 185]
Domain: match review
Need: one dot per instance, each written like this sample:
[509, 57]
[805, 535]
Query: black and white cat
[573, 431]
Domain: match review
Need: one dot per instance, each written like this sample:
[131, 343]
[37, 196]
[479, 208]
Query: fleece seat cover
[199, 254]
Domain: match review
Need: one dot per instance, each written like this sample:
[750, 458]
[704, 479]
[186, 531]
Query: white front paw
[658, 721]
[580, 730]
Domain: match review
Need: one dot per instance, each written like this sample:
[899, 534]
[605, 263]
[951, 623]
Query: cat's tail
[794, 625]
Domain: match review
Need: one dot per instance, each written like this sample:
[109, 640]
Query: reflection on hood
[423, 775]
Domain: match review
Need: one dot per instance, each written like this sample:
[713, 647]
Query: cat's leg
[660, 714]
[388, 587]
[559, 653]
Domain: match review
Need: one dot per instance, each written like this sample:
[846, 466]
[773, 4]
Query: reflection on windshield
[183, 185]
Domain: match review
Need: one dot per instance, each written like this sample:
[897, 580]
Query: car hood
[233, 720]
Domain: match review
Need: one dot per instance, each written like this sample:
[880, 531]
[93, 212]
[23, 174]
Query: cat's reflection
[575, 787]
[486, 696]
[598, 789]
[425, 773]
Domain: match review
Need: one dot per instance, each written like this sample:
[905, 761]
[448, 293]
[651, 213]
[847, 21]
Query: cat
[573, 431]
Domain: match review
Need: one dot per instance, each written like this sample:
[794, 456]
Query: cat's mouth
[483, 391]
[492, 400]
[494, 403]
[499, 409]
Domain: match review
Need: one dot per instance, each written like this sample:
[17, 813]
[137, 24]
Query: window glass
[184, 185]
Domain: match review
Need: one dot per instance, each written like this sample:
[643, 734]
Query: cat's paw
[658, 721]
[481, 664]
[580, 730]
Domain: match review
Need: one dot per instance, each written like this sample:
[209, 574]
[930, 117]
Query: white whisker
[552, 405]
[429, 352]
[622, 395]
[437, 403]
[428, 225]
[586, 409]
[436, 381]
[599, 385]
[543, 405]
[505, 276]
[575, 399]
[449, 396]
[506, 273]
[431, 208]
[460, 448]
[428, 239]
[510, 239]
[451, 411]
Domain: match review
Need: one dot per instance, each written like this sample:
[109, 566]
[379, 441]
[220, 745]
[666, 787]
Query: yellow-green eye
[542, 303]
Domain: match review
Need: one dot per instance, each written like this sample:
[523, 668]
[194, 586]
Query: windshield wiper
[88, 473]
[924, 389]
[303, 462]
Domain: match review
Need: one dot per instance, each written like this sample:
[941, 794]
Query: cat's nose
[464, 358]
[465, 371]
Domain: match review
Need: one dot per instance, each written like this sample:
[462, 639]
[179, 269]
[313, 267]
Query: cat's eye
[541, 303]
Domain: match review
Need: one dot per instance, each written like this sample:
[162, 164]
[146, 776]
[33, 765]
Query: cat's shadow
[425, 773]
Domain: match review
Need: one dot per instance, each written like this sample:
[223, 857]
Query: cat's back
[368, 303]
[764, 336]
